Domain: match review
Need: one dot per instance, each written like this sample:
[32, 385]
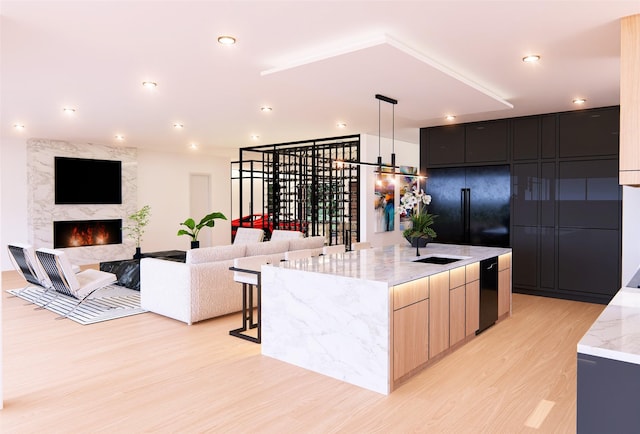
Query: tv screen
[81, 181]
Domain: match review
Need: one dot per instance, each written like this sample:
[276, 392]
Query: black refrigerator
[472, 204]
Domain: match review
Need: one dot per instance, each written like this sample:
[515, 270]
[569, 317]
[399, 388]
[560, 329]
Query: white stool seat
[332, 250]
[252, 263]
[298, 254]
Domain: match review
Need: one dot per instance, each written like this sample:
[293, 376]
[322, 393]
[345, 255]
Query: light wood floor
[147, 373]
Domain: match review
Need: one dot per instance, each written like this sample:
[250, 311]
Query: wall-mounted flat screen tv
[81, 181]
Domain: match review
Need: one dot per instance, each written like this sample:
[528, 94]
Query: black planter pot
[195, 244]
[138, 254]
[418, 242]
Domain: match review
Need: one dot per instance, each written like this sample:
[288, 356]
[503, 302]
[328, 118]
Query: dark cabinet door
[589, 132]
[589, 194]
[524, 265]
[525, 187]
[486, 142]
[443, 145]
[589, 260]
[525, 138]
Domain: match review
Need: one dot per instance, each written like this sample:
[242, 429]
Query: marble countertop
[616, 333]
[393, 264]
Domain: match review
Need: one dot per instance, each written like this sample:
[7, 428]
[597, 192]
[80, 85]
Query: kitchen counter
[616, 333]
[394, 264]
[335, 314]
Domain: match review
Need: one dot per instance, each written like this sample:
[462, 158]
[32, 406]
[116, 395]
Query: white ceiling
[316, 63]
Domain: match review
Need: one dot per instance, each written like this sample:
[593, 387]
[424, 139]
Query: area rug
[108, 303]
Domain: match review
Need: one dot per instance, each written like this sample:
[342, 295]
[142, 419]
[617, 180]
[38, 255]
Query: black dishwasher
[488, 293]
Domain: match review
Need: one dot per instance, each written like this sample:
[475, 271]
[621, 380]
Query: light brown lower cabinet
[504, 284]
[438, 313]
[457, 314]
[472, 307]
[410, 338]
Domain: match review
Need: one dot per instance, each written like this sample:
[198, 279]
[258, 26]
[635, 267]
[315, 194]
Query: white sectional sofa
[203, 286]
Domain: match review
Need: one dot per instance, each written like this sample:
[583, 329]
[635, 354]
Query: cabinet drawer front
[457, 277]
[410, 292]
[504, 261]
[473, 272]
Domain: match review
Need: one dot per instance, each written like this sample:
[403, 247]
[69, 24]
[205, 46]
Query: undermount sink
[440, 260]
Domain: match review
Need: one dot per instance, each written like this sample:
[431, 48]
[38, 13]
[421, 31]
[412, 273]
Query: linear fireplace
[77, 233]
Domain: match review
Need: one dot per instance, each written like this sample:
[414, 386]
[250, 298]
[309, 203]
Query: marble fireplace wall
[42, 210]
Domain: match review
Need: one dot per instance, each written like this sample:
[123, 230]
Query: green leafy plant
[415, 204]
[193, 229]
[138, 221]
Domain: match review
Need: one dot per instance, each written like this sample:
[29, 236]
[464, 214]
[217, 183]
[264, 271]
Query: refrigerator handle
[463, 210]
[467, 215]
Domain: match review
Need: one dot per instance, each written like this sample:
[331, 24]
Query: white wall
[13, 188]
[407, 154]
[163, 184]
[630, 232]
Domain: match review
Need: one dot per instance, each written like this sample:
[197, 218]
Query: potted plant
[415, 204]
[138, 221]
[193, 229]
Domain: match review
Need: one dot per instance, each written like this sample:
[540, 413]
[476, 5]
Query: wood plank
[438, 313]
[504, 292]
[148, 373]
[457, 277]
[472, 307]
[410, 337]
[410, 292]
[473, 272]
[504, 261]
[630, 100]
[457, 315]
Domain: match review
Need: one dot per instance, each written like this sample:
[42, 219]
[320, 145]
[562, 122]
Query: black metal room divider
[307, 186]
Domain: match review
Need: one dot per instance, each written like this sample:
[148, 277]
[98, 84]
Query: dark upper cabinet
[526, 132]
[548, 136]
[525, 194]
[589, 194]
[486, 142]
[442, 145]
[589, 132]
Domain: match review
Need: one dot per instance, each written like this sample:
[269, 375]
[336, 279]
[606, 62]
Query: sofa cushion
[267, 248]
[316, 242]
[216, 253]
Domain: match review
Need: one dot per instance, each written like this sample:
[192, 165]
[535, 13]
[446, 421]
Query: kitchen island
[375, 317]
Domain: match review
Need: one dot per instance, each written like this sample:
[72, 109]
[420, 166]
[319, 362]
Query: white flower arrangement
[414, 204]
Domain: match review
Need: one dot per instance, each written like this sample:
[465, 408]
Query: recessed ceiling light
[178, 126]
[150, 84]
[450, 117]
[69, 110]
[226, 40]
[119, 137]
[255, 137]
[193, 146]
[341, 125]
[532, 58]
[579, 101]
[18, 127]
[266, 108]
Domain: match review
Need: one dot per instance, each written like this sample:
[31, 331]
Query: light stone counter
[616, 333]
[331, 314]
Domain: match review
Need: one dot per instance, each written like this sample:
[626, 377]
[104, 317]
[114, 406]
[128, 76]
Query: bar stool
[332, 250]
[298, 254]
[247, 271]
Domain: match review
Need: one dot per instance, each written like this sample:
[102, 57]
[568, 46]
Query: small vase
[195, 244]
[138, 254]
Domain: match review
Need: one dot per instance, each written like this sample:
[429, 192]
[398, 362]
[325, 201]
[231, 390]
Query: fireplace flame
[88, 233]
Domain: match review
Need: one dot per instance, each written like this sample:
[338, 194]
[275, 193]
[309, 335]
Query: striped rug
[108, 303]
